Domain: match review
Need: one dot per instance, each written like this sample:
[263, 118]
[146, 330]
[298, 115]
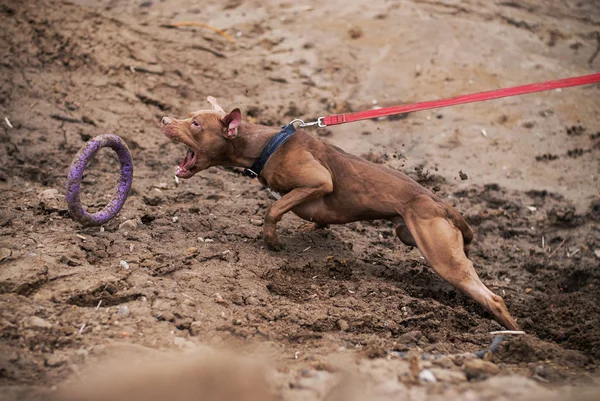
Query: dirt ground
[343, 313]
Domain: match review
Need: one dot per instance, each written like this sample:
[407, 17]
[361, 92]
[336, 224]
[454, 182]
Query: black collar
[279, 139]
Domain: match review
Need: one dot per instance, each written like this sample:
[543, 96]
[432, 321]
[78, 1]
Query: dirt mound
[213, 375]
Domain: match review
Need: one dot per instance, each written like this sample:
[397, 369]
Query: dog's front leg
[304, 177]
[295, 197]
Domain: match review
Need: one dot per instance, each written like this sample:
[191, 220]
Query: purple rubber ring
[76, 174]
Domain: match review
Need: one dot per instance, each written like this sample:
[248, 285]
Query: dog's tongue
[190, 158]
[186, 164]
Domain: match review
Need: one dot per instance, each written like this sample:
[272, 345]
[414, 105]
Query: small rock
[478, 369]
[165, 316]
[151, 69]
[6, 253]
[124, 264]
[191, 251]
[252, 301]
[280, 80]
[219, 299]
[69, 261]
[196, 328]
[49, 193]
[51, 200]
[237, 299]
[528, 290]
[427, 376]
[539, 370]
[316, 382]
[256, 222]
[54, 360]
[183, 323]
[547, 373]
[183, 343]
[150, 264]
[82, 354]
[154, 200]
[412, 337]
[38, 323]
[443, 362]
[175, 219]
[597, 253]
[123, 311]
[532, 208]
[130, 224]
[458, 360]
[449, 376]
[463, 176]
[343, 325]
[355, 32]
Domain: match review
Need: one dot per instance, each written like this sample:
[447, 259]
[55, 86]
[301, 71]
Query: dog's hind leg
[442, 245]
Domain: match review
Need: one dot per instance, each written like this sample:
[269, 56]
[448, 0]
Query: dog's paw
[309, 227]
[275, 246]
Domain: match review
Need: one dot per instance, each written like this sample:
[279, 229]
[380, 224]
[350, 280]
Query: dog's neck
[248, 145]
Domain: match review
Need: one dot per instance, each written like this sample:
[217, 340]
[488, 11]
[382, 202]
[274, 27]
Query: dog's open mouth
[187, 166]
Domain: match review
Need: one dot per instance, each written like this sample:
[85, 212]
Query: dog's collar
[279, 139]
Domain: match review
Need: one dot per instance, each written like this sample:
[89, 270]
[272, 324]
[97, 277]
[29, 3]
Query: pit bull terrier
[325, 185]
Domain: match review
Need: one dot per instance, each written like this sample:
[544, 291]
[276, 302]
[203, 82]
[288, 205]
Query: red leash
[473, 97]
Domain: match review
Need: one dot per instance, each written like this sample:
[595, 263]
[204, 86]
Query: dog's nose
[166, 121]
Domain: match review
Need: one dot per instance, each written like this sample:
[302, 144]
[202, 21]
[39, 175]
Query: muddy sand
[199, 305]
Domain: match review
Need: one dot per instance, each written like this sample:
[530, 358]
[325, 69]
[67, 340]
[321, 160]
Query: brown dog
[323, 184]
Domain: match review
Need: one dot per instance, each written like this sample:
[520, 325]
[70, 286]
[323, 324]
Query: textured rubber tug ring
[76, 174]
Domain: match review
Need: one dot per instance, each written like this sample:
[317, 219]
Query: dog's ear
[214, 104]
[231, 122]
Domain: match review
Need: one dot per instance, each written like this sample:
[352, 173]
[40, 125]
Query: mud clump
[575, 130]
[546, 157]
[355, 32]
[564, 216]
[594, 211]
[577, 152]
[527, 349]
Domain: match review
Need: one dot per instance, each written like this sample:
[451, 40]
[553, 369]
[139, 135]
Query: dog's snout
[166, 121]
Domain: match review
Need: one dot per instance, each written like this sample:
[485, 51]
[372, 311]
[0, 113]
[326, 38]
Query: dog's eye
[195, 123]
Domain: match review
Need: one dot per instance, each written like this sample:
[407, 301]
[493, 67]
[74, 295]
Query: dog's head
[206, 134]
